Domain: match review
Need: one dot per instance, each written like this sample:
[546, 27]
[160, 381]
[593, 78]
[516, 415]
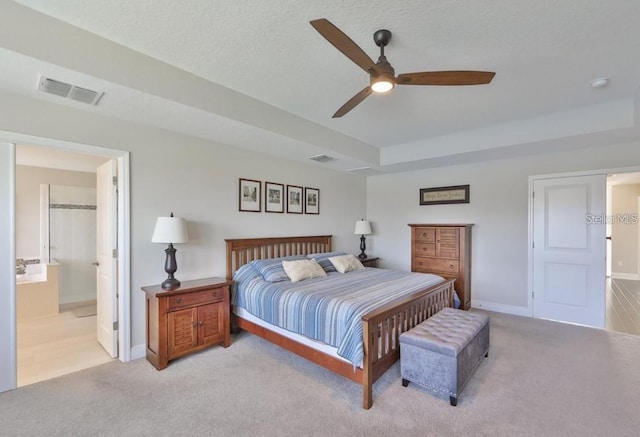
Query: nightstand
[370, 262]
[190, 318]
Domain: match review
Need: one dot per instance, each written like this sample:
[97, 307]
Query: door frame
[533, 178]
[8, 312]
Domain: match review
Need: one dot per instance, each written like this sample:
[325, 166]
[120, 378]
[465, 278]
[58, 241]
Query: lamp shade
[363, 227]
[170, 230]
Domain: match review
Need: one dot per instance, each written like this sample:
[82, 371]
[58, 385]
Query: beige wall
[624, 235]
[498, 208]
[197, 180]
[28, 181]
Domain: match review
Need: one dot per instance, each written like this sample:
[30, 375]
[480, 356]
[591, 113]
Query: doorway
[61, 336]
[52, 148]
[585, 249]
[623, 255]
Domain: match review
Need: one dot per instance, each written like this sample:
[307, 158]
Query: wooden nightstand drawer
[370, 262]
[189, 299]
[437, 265]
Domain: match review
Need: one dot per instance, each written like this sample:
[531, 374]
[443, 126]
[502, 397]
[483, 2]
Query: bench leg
[453, 401]
[405, 382]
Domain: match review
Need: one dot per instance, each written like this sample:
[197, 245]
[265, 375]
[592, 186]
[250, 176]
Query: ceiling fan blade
[446, 78]
[343, 43]
[353, 102]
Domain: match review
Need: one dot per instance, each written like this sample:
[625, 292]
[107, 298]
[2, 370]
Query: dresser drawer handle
[213, 294]
[451, 266]
[179, 300]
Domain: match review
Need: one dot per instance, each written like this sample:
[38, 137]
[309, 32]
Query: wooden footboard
[381, 328]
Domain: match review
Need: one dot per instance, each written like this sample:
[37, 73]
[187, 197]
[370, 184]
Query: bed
[380, 326]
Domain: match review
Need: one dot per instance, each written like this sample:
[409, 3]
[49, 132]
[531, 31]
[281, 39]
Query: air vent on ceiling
[72, 92]
[322, 158]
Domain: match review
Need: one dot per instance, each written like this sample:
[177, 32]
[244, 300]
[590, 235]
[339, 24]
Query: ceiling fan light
[382, 85]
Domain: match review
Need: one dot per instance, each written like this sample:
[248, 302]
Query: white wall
[73, 241]
[197, 180]
[498, 208]
[28, 180]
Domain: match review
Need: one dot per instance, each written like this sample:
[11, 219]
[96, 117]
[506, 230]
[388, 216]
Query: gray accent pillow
[323, 260]
[271, 269]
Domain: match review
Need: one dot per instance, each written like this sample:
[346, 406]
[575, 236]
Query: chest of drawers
[445, 250]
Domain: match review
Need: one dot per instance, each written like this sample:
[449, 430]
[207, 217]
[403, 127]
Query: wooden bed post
[367, 367]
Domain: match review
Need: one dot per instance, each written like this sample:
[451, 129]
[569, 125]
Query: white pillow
[300, 270]
[346, 263]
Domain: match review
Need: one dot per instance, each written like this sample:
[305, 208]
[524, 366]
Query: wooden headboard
[242, 251]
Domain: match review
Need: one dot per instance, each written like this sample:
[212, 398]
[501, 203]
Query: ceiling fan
[381, 73]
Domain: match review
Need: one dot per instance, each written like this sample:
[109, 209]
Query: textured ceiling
[544, 53]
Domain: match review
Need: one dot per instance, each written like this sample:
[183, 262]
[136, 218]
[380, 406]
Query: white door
[106, 230]
[569, 249]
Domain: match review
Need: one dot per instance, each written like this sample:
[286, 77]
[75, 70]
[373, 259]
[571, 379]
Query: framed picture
[249, 195]
[444, 195]
[273, 197]
[312, 201]
[294, 199]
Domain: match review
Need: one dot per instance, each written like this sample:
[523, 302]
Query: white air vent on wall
[322, 158]
[72, 92]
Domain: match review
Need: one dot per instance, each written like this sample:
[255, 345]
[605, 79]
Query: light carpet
[541, 379]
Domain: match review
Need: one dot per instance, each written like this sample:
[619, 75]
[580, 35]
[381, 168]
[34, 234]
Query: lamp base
[362, 248]
[170, 267]
[170, 284]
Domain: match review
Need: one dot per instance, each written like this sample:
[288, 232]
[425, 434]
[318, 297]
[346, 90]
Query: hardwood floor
[623, 306]
[53, 346]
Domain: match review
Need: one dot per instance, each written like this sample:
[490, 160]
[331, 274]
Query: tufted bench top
[447, 332]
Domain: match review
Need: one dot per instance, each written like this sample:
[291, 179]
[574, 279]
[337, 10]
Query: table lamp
[363, 227]
[170, 230]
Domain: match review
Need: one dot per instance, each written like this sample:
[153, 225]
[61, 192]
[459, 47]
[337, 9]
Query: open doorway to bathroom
[56, 244]
[623, 253]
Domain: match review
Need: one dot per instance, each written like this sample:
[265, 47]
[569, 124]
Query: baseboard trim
[630, 276]
[138, 351]
[500, 308]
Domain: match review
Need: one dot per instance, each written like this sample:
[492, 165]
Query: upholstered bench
[442, 352]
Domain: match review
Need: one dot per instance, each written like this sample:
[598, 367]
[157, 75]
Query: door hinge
[116, 325]
[115, 180]
[533, 294]
[533, 193]
[115, 253]
[533, 244]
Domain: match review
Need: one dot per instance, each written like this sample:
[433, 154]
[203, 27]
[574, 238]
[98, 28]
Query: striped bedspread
[328, 309]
